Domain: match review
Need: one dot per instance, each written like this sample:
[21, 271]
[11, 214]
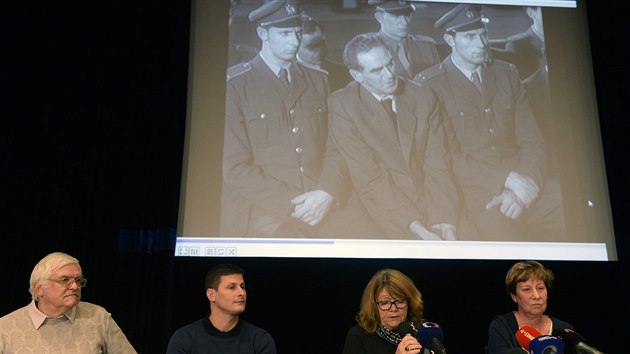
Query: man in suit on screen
[389, 131]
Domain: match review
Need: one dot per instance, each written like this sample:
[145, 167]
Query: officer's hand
[523, 186]
[446, 230]
[312, 207]
[419, 230]
[509, 204]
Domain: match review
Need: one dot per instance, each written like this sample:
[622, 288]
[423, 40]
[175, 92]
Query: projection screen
[222, 36]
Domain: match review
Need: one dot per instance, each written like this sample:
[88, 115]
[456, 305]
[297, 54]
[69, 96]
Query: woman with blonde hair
[389, 299]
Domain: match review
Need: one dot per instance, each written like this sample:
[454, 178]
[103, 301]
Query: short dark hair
[361, 43]
[213, 277]
[524, 271]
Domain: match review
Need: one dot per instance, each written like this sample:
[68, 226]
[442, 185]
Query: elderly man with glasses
[56, 320]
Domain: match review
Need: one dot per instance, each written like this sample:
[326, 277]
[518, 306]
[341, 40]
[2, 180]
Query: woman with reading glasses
[390, 299]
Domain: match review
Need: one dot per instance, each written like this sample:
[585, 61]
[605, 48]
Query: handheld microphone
[573, 342]
[525, 335]
[405, 329]
[546, 345]
[430, 335]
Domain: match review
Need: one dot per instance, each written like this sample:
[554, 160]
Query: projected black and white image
[449, 162]
[351, 124]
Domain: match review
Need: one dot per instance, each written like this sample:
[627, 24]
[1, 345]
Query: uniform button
[319, 110]
[302, 169]
[295, 129]
[461, 114]
[298, 150]
[263, 116]
[292, 111]
[491, 130]
[488, 110]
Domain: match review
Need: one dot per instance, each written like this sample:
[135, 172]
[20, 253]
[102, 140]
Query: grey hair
[45, 267]
[361, 43]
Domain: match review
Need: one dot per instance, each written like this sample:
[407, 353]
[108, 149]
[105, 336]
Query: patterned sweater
[86, 329]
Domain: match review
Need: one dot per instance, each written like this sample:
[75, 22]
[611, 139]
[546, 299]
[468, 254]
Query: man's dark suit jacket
[400, 173]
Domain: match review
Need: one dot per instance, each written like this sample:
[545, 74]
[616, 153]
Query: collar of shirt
[468, 73]
[38, 318]
[275, 68]
[380, 98]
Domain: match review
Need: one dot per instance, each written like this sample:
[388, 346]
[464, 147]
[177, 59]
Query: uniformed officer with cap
[411, 53]
[498, 151]
[279, 177]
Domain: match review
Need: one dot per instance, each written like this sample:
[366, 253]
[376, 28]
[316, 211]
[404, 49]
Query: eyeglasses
[386, 305]
[66, 282]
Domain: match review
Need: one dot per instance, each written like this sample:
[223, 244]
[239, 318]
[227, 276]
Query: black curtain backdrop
[93, 132]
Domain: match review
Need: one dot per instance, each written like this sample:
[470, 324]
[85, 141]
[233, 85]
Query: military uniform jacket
[399, 171]
[421, 53]
[275, 142]
[491, 133]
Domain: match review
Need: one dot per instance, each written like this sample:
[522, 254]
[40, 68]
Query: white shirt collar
[380, 98]
[38, 318]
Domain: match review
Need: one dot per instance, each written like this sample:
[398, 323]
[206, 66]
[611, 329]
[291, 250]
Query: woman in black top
[389, 299]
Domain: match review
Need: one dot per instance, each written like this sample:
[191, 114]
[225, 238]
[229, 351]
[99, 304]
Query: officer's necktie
[284, 77]
[476, 81]
[402, 56]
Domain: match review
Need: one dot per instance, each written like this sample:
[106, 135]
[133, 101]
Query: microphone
[405, 329]
[546, 345]
[430, 335]
[525, 335]
[573, 342]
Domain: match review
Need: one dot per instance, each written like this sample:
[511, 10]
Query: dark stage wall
[91, 164]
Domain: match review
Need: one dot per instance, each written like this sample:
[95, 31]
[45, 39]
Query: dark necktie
[284, 77]
[476, 81]
[387, 105]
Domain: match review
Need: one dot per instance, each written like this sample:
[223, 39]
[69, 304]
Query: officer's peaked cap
[277, 13]
[398, 8]
[462, 17]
